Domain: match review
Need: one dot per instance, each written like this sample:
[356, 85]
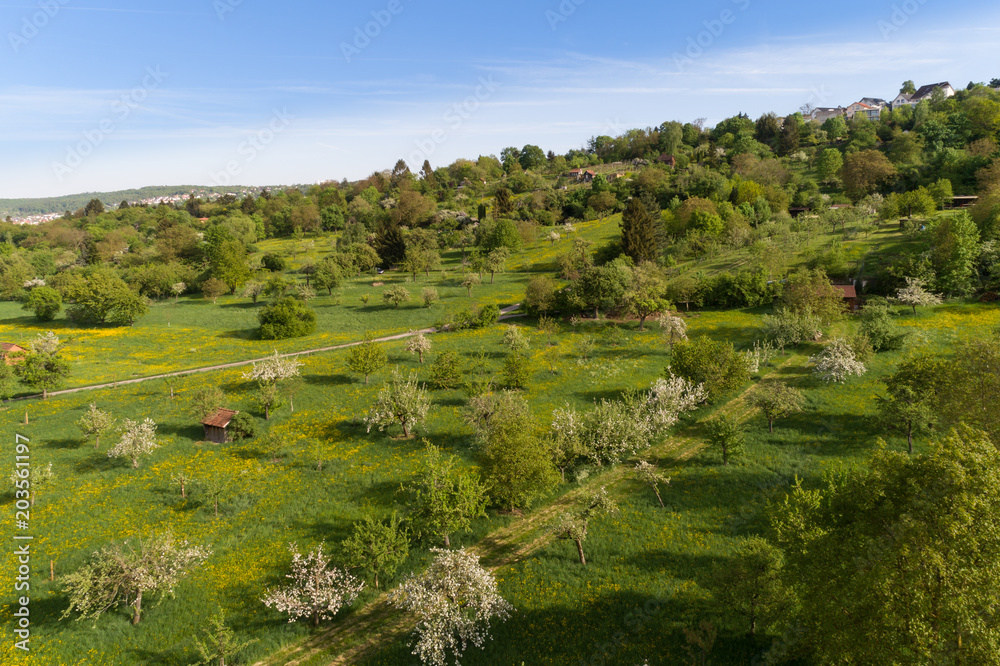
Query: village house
[7, 350]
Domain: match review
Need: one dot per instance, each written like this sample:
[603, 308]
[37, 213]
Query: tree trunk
[135, 463]
[770, 425]
[33, 493]
[26, 417]
[291, 403]
[376, 580]
[183, 494]
[420, 355]
[909, 436]
[267, 412]
[657, 491]
[366, 379]
[315, 618]
[492, 274]
[447, 541]
[914, 309]
[138, 608]
[597, 314]
[97, 442]
[642, 322]
[579, 549]
[406, 432]
[45, 394]
[216, 507]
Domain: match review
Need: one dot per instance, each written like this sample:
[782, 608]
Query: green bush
[286, 318]
[45, 302]
[273, 262]
[716, 364]
[244, 426]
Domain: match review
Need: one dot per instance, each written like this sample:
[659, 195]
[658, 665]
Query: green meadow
[648, 572]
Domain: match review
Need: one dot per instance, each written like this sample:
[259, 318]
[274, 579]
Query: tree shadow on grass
[100, 462]
[245, 334]
[194, 432]
[328, 380]
[68, 444]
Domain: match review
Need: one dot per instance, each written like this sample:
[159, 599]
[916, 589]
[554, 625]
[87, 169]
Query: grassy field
[648, 568]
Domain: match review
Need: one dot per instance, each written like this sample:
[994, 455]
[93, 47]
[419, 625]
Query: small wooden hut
[216, 424]
[850, 296]
[7, 349]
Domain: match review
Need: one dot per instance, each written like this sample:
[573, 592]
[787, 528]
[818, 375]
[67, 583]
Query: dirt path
[505, 314]
[379, 624]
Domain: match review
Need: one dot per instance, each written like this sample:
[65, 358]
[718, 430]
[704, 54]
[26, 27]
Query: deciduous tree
[377, 546]
[95, 422]
[317, 590]
[137, 439]
[775, 399]
[402, 401]
[125, 574]
[445, 499]
[367, 358]
[456, 599]
[572, 526]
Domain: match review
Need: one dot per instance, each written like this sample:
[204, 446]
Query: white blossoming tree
[317, 590]
[138, 439]
[837, 362]
[914, 294]
[401, 402]
[615, 429]
[419, 345]
[268, 374]
[125, 574]
[455, 599]
[672, 328]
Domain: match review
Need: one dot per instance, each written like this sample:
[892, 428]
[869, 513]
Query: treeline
[73, 202]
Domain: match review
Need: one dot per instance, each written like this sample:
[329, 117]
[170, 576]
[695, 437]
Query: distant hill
[25, 207]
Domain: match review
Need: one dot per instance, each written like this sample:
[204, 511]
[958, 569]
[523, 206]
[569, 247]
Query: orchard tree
[514, 339]
[213, 288]
[714, 363]
[837, 362]
[377, 546]
[750, 585]
[914, 294]
[268, 374]
[471, 280]
[219, 642]
[138, 439]
[573, 526]
[496, 261]
[25, 480]
[445, 499]
[909, 405]
[672, 329]
[317, 590]
[402, 401]
[418, 344]
[649, 474]
[396, 295]
[446, 371]
[367, 357]
[645, 295]
[726, 433]
[126, 574]
[179, 288]
[43, 367]
[456, 599]
[95, 423]
[775, 399]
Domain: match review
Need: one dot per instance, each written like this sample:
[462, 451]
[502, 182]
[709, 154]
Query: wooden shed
[6, 349]
[850, 295]
[216, 424]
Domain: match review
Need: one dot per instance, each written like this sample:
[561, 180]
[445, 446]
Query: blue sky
[105, 94]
